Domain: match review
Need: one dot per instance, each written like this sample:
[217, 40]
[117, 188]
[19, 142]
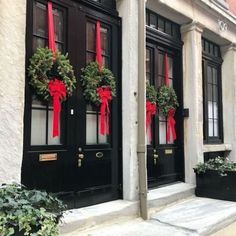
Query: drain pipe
[141, 149]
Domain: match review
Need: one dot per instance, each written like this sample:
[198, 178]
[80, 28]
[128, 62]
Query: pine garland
[92, 79]
[42, 69]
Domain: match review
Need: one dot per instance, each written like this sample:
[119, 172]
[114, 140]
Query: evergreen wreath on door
[99, 85]
[51, 74]
[168, 103]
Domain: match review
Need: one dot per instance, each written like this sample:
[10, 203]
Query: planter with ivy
[28, 212]
[216, 179]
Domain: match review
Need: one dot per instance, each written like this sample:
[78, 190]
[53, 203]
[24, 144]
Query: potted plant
[28, 212]
[216, 179]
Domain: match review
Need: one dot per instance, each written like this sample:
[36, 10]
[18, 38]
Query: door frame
[111, 17]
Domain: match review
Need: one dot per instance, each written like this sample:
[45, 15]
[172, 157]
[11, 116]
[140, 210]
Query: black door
[165, 159]
[80, 163]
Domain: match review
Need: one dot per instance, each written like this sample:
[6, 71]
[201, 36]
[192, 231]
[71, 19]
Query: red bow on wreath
[150, 110]
[57, 90]
[105, 97]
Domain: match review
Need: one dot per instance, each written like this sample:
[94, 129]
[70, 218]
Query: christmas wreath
[151, 93]
[44, 69]
[167, 100]
[94, 79]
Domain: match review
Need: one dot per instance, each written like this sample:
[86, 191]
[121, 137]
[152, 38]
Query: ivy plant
[220, 164]
[30, 212]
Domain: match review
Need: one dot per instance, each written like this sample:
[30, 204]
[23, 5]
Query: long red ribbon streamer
[105, 97]
[51, 34]
[170, 117]
[98, 45]
[57, 90]
[150, 110]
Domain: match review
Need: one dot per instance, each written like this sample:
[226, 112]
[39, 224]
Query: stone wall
[12, 86]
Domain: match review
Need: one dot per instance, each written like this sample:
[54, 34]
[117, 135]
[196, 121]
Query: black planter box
[212, 185]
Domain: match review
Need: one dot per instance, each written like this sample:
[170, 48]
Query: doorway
[85, 166]
[165, 159]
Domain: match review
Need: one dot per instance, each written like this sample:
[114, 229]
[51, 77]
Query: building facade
[197, 38]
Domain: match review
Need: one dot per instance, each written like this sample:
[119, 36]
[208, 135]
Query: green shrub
[31, 212]
[219, 164]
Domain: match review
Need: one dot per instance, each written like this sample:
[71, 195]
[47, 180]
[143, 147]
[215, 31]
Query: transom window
[162, 24]
[211, 64]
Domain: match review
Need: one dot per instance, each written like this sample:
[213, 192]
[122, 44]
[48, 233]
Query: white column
[192, 89]
[229, 96]
[12, 86]
[128, 10]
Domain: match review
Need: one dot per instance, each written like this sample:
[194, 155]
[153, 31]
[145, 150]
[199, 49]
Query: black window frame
[211, 56]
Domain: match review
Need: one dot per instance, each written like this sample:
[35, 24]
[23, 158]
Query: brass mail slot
[168, 151]
[48, 157]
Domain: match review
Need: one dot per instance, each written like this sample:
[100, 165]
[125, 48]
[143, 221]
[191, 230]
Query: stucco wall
[12, 77]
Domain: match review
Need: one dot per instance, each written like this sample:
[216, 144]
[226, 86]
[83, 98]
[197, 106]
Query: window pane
[153, 21]
[39, 43]
[105, 62]
[40, 27]
[104, 39]
[90, 36]
[210, 127]
[162, 132]
[209, 74]
[58, 25]
[216, 130]
[210, 110]
[51, 140]
[161, 64]
[215, 93]
[148, 58]
[161, 23]
[90, 57]
[101, 138]
[209, 92]
[38, 127]
[170, 67]
[215, 110]
[91, 129]
[37, 104]
[168, 28]
[214, 75]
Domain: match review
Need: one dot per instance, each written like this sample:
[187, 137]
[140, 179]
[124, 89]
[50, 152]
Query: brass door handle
[81, 156]
[155, 156]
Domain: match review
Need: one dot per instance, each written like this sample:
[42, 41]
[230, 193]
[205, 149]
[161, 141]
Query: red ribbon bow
[57, 90]
[171, 125]
[105, 97]
[150, 110]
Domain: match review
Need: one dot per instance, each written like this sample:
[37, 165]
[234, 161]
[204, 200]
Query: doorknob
[155, 156]
[81, 156]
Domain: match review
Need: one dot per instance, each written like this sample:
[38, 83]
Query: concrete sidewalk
[195, 217]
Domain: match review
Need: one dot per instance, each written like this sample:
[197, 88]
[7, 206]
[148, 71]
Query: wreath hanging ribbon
[105, 97]
[104, 94]
[170, 116]
[150, 110]
[56, 88]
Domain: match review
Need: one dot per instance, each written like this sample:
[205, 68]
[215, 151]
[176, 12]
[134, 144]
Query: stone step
[192, 217]
[78, 220]
[200, 216]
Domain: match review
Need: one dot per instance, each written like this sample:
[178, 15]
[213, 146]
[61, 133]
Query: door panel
[164, 159]
[86, 163]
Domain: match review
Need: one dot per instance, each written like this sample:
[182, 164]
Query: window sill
[217, 147]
